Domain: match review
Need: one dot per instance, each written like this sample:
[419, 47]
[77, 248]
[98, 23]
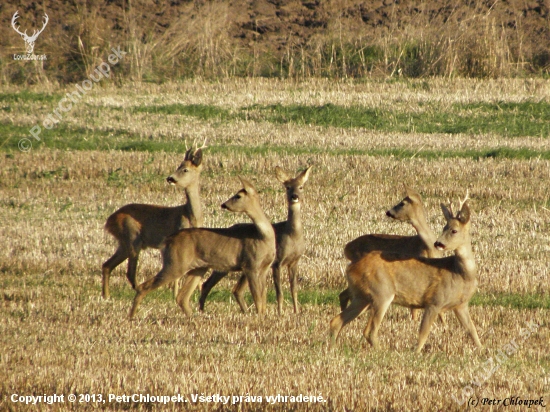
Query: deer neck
[294, 221]
[262, 223]
[465, 261]
[424, 230]
[194, 205]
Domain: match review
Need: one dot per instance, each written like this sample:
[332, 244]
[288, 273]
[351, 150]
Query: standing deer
[290, 246]
[140, 226]
[191, 252]
[411, 210]
[382, 278]
[29, 40]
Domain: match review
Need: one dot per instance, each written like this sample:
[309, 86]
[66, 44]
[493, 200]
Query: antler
[13, 22]
[450, 206]
[204, 146]
[461, 202]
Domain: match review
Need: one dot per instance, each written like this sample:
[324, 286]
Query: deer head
[189, 170]
[29, 40]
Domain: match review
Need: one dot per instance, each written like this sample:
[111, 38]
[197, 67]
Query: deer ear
[446, 212]
[281, 175]
[413, 194]
[464, 215]
[248, 187]
[197, 157]
[187, 155]
[303, 176]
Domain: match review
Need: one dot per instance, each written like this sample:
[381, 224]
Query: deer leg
[187, 288]
[379, 309]
[133, 257]
[430, 313]
[463, 315]
[257, 289]
[356, 307]
[293, 277]
[442, 319]
[132, 269]
[263, 280]
[368, 328]
[207, 286]
[277, 284]
[175, 288]
[238, 292]
[162, 278]
[119, 256]
[441, 316]
[344, 297]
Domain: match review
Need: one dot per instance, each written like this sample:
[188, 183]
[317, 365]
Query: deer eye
[185, 170]
[301, 188]
[454, 231]
[237, 196]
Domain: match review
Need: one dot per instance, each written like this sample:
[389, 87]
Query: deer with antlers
[29, 40]
[191, 252]
[411, 210]
[381, 278]
[290, 246]
[141, 226]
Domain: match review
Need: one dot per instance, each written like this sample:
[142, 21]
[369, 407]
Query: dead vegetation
[281, 39]
[59, 335]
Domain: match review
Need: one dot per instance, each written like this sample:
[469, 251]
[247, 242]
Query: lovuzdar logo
[29, 40]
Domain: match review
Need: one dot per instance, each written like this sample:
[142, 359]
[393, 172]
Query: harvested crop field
[364, 141]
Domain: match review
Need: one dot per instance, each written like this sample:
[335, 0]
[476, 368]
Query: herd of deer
[406, 270]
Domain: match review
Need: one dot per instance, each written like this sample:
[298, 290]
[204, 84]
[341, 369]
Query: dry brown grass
[56, 325]
[58, 336]
[336, 39]
[347, 197]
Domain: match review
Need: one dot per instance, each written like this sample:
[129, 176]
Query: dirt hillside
[165, 29]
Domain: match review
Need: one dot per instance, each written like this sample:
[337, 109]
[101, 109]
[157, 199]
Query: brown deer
[191, 252]
[290, 246]
[435, 285]
[411, 210]
[140, 226]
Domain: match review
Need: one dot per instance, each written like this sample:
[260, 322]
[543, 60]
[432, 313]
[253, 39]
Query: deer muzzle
[171, 180]
[439, 246]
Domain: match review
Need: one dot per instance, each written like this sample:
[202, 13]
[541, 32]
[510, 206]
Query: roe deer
[191, 252]
[290, 246]
[411, 210]
[382, 278]
[140, 226]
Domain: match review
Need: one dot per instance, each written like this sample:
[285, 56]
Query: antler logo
[29, 40]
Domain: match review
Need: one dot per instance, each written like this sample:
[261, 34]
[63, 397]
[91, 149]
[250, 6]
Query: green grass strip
[507, 119]
[25, 96]
[200, 111]
[504, 119]
[66, 138]
[512, 300]
[330, 297]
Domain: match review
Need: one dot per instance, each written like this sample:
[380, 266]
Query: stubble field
[364, 140]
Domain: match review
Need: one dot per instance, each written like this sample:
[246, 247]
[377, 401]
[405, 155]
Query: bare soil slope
[78, 32]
